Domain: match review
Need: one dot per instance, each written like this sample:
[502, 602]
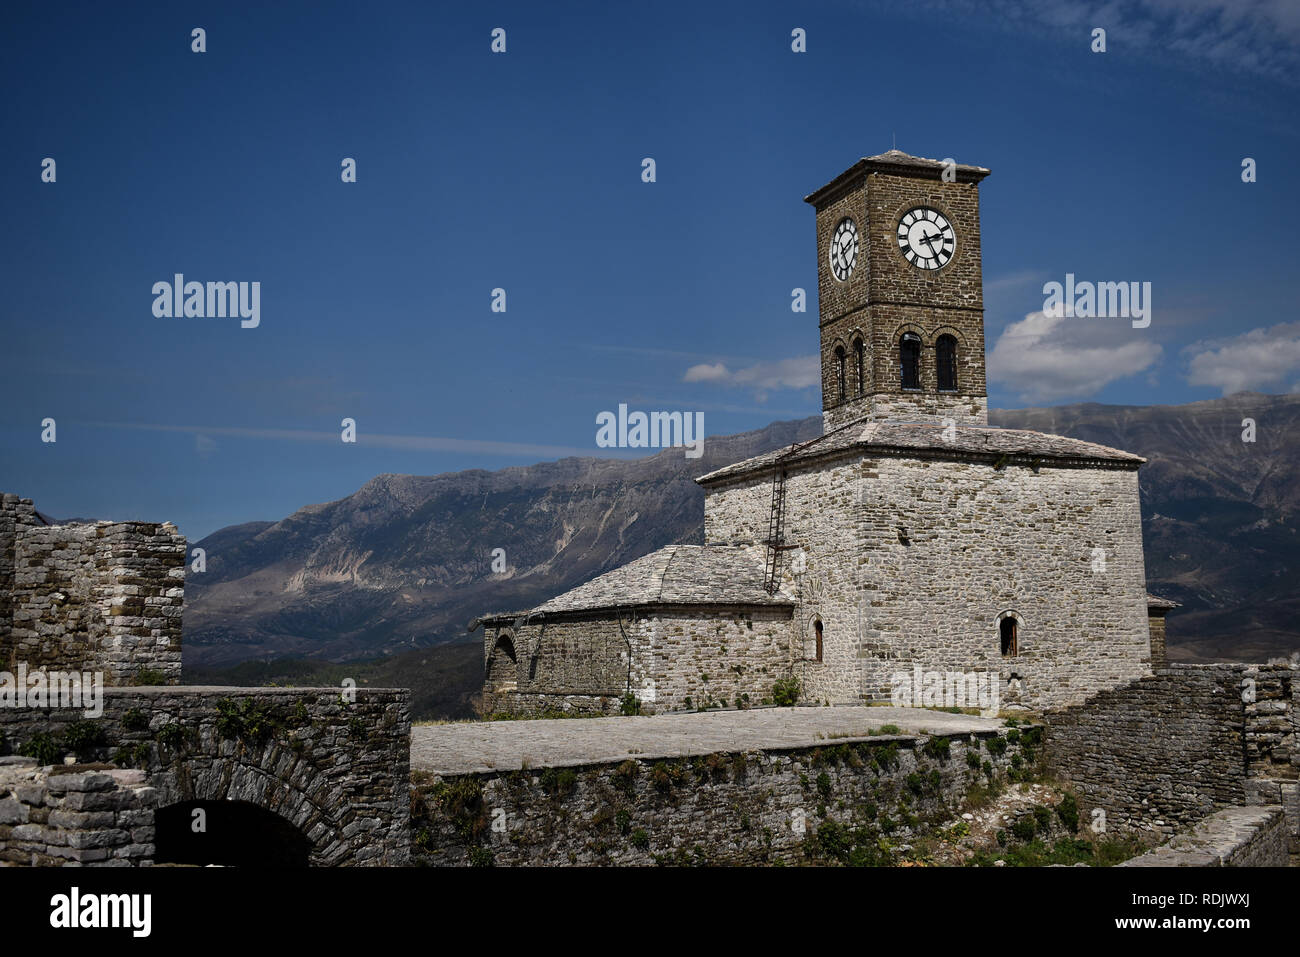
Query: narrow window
[858, 356]
[840, 371]
[909, 353]
[1010, 642]
[945, 357]
[817, 628]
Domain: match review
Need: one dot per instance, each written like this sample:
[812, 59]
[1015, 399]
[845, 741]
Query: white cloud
[1257, 360]
[1242, 36]
[410, 443]
[706, 372]
[1047, 358]
[799, 372]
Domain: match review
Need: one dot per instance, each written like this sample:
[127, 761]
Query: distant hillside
[403, 563]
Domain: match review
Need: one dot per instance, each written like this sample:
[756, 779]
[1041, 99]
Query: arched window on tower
[909, 356]
[841, 387]
[815, 652]
[859, 355]
[945, 359]
[1009, 629]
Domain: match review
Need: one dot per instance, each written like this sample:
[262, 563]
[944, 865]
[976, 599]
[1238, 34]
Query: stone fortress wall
[746, 807]
[1177, 746]
[84, 788]
[105, 597]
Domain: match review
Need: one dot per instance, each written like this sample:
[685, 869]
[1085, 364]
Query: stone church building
[909, 535]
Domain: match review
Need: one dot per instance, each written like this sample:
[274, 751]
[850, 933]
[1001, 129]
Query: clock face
[926, 238]
[844, 249]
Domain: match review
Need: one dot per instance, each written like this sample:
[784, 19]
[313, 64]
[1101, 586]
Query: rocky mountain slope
[405, 562]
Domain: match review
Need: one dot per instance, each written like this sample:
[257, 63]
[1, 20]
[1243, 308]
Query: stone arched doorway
[229, 834]
[270, 780]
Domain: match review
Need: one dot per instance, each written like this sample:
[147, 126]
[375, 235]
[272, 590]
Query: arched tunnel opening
[227, 833]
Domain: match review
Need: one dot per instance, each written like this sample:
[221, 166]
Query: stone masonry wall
[823, 573]
[981, 542]
[1233, 837]
[60, 816]
[1058, 548]
[1174, 747]
[339, 771]
[681, 657]
[105, 597]
[737, 808]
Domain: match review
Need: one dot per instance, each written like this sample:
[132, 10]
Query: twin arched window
[859, 354]
[945, 359]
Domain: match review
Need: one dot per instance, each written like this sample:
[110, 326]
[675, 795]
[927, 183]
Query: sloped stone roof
[1020, 445]
[897, 162]
[1155, 601]
[675, 575]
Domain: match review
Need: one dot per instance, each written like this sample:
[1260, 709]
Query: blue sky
[522, 171]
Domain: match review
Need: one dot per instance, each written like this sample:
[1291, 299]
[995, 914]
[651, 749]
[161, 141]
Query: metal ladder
[775, 531]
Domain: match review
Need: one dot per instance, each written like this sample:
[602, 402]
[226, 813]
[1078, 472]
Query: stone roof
[897, 162]
[675, 575]
[1155, 601]
[1011, 445]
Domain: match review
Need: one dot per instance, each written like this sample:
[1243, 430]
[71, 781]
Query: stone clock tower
[900, 292]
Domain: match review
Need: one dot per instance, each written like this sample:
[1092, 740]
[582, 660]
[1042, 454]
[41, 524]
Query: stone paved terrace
[505, 745]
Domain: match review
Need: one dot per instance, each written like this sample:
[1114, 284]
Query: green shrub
[44, 747]
[250, 722]
[785, 691]
[939, 748]
[666, 776]
[623, 821]
[886, 755]
[1042, 817]
[135, 720]
[625, 776]
[81, 736]
[1023, 829]
[640, 839]
[1068, 812]
[824, 786]
[173, 735]
[630, 706]
[148, 677]
[461, 800]
[559, 781]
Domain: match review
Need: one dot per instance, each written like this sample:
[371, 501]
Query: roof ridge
[663, 576]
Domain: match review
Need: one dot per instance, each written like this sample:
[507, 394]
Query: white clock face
[926, 238]
[844, 249]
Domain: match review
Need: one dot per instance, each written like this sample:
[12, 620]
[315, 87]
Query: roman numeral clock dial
[844, 249]
[926, 238]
